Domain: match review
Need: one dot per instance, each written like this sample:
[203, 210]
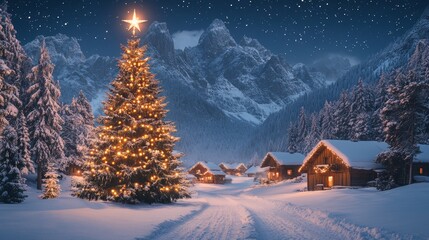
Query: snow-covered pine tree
[402, 118]
[313, 136]
[303, 129]
[43, 119]
[51, 184]
[23, 143]
[12, 184]
[133, 161]
[327, 128]
[380, 100]
[78, 133]
[12, 53]
[360, 108]
[292, 143]
[341, 118]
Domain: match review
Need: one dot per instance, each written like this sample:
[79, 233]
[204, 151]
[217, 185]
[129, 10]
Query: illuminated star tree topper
[134, 23]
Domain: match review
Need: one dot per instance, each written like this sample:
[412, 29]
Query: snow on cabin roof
[285, 158]
[423, 156]
[359, 154]
[252, 169]
[232, 165]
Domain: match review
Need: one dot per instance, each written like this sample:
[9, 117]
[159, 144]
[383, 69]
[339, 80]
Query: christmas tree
[133, 160]
[51, 185]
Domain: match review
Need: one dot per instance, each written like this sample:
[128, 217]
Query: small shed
[282, 165]
[342, 163]
[207, 172]
[421, 163]
[237, 169]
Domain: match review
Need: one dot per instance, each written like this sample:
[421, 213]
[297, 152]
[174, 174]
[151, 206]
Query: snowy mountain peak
[160, 39]
[63, 50]
[216, 39]
[254, 43]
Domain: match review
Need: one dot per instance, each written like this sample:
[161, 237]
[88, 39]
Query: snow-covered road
[239, 210]
[229, 213]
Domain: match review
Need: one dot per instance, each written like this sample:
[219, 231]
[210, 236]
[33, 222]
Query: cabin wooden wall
[341, 174]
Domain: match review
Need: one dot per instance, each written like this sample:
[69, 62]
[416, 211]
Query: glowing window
[289, 172]
[421, 171]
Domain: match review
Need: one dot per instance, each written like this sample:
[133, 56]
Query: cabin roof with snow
[356, 154]
[211, 168]
[233, 165]
[423, 156]
[285, 158]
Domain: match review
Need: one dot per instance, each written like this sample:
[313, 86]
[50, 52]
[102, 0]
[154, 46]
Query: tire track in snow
[279, 220]
[219, 218]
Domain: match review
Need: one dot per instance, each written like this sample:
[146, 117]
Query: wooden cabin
[342, 163]
[206, 172]
[282, 165]
[251, 172]
[421, 164]
[237, 169]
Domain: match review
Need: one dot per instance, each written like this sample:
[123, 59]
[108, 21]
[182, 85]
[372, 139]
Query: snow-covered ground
[239, 210]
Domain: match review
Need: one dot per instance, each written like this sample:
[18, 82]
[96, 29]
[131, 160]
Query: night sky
[302, 30]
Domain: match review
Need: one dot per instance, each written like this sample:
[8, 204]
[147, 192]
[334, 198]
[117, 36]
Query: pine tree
[12, 53]
[302, 130]
[51, 184]
[12, 185]
[133, 159]
[292, 146]
[44, 121]
[402, 121]
[327, 127]
[380, 100]
[360, 109]
[24, 144]
[77, 133]
[341, 118]
[313, 136]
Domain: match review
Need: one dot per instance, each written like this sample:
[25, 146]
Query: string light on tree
[133, 159]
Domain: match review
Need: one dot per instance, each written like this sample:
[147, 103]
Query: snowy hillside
[233, 211]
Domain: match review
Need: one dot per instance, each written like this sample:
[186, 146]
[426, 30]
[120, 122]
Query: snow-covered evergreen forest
[39, 134]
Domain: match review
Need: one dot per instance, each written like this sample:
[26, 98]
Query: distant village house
[207, 173]
[282, 165]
